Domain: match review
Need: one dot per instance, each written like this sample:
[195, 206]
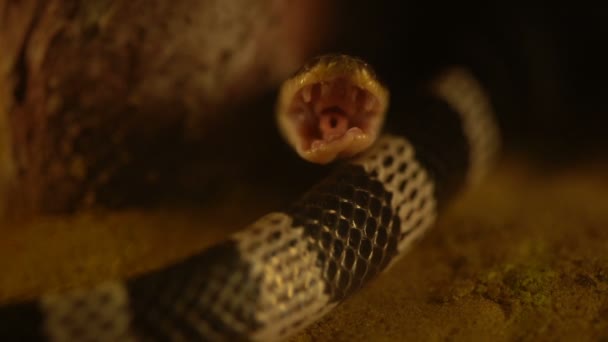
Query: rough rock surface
[112, 102]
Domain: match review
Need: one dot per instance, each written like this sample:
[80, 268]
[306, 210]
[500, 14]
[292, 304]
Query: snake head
[332, 108]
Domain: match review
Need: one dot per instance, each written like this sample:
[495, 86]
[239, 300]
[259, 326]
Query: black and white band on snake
[290, 268]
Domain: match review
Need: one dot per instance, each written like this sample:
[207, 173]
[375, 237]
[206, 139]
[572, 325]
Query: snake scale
[289, 268]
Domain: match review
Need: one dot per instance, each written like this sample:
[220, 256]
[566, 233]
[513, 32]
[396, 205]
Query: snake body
[289, 268]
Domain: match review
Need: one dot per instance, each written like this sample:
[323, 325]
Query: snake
[386, 187]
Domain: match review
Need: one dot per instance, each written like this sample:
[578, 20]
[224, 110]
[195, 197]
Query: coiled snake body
[290, 268]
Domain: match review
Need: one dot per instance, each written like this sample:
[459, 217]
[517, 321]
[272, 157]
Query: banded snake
[288, 269]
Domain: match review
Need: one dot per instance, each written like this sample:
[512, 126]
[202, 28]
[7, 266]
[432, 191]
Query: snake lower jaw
[324, 151]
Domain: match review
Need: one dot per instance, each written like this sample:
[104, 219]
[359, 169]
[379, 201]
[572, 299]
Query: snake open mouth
[334, 118]
[328, 113]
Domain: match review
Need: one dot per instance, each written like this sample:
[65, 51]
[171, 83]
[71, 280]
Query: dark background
[545, 66]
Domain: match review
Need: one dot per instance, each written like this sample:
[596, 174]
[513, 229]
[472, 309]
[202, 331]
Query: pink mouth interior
[328, 111]
[333, 123]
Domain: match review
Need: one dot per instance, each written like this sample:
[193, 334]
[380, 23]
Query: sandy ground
[523, 257]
